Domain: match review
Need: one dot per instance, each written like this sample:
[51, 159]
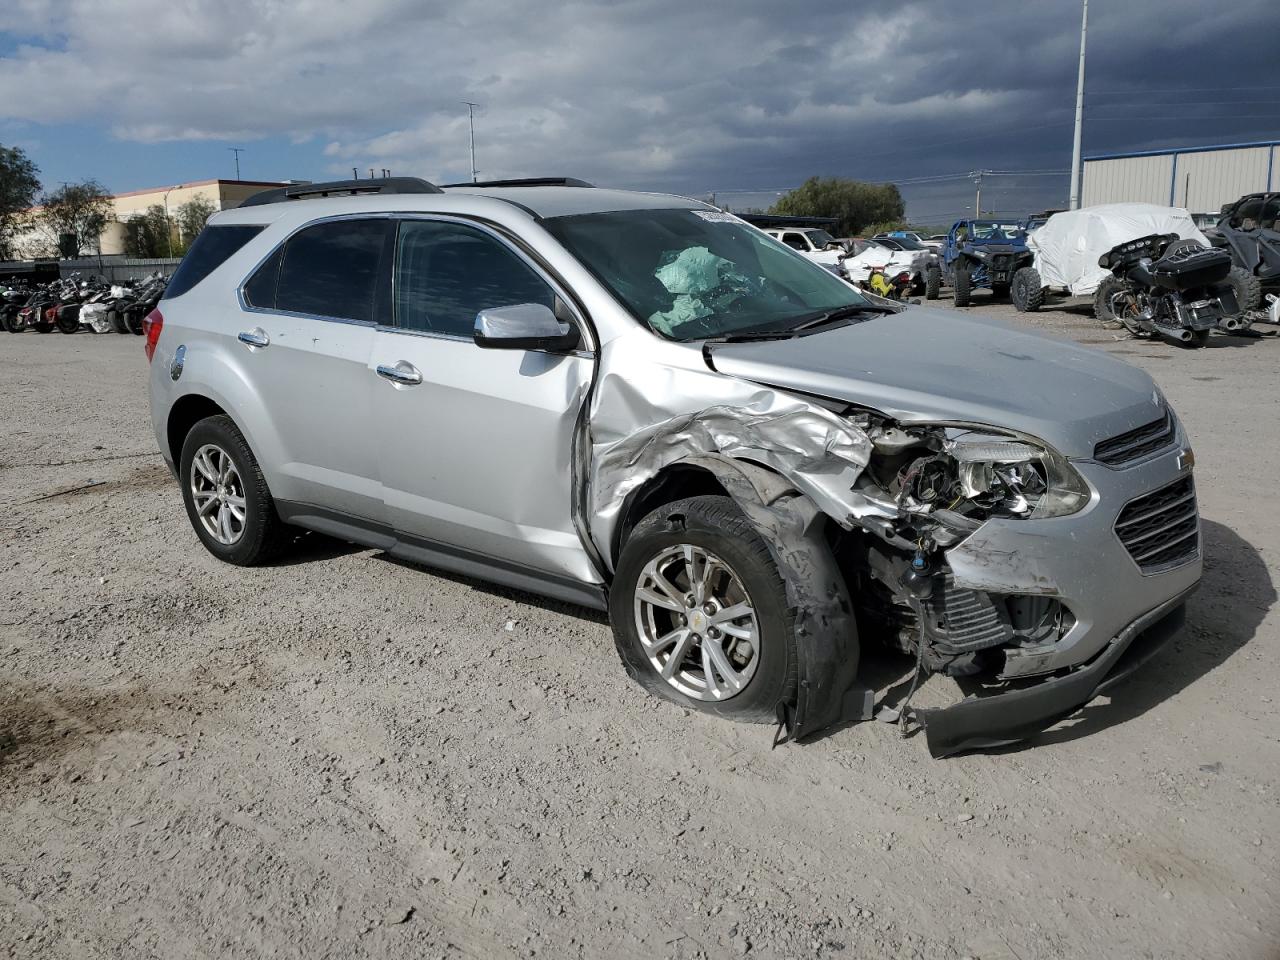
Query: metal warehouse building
[1201, 179]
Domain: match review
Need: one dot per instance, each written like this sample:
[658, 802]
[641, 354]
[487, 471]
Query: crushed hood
[925, 364]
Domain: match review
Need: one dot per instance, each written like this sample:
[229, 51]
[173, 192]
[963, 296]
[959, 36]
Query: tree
[191, 217]
[853, 203]
[147, 235]
[19, 184]
[74, 215]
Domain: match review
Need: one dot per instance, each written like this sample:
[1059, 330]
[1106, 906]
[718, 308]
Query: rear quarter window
[212, 248]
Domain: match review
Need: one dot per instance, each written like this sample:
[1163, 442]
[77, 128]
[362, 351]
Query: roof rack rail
[527, 182]
[381, 185]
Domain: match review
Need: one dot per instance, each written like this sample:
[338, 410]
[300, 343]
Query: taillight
[151, 326]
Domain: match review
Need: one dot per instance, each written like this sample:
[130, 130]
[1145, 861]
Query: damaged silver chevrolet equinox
[639, 403]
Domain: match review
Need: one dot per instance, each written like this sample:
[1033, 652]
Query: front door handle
[257, 337]
[403, 373]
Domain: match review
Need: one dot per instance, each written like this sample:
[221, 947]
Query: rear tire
[932, 283]
[68, 322]
[258, 534]
[133, 321]
[11, 322]
[1027, 291]
[710, 525]
[1247, 287]
[1102, 302]
[964, 291]
[116, 320]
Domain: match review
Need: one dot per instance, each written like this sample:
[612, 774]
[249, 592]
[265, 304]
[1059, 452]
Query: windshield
[819, 238]
[988, 229]
[906, 243]
[694, 274]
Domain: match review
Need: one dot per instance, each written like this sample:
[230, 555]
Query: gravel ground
[344, 756]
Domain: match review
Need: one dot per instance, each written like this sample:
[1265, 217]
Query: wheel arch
[674, 482]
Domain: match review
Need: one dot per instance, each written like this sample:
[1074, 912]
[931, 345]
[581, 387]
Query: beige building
[223, 194]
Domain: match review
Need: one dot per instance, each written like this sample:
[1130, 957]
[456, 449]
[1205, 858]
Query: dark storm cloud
[659, 94]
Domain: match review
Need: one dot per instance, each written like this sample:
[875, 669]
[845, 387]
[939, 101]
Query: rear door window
[212, 248]
[333, 269]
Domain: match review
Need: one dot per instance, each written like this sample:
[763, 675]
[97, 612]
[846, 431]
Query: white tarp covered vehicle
[1068, 246]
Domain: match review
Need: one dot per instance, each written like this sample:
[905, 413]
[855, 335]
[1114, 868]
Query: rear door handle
[256, 337]
[403, 373]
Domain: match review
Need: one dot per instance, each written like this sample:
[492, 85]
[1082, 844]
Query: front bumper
[1002, 718]
[1080, 561]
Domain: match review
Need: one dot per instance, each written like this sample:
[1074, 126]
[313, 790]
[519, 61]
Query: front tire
[964, 288]
[1027, 291]
[68, 321]
[227, 498]
[699, 612]
[932, 283]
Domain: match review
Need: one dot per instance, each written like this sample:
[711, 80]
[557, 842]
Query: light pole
[471, 116]
[1075, 147]
[237, 151]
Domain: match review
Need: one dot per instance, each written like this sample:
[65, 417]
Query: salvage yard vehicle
[642, 404]
[1250, 230]
[813, 242]
[983, 253]
[1147, 267]
[1176, 289]
[889, 256]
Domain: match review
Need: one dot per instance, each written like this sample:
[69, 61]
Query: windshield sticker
[716, 216]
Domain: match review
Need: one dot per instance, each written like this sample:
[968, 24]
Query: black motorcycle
[142, 301]
[1161, 285]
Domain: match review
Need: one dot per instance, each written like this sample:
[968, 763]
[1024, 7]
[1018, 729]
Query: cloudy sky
[742, 98]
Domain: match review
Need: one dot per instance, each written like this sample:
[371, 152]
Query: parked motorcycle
[1164, 286]
[144, 300]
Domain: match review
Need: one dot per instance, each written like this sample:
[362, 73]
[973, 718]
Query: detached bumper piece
[1002, 718]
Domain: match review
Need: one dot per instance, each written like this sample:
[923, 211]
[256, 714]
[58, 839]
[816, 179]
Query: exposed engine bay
[941, 483]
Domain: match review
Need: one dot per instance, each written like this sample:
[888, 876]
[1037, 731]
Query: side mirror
[524, 326]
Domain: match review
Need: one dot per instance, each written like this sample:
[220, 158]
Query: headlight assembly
[1016, 478]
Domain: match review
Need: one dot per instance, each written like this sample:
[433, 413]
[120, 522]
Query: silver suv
[639, 403]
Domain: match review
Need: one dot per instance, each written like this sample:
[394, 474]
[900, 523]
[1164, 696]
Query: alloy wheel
[218, 494]
[696, 623]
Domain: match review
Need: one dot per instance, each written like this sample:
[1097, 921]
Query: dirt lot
[343, 756]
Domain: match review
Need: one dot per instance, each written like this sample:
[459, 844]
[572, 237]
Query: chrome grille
[1135, 444]
[1162, 529]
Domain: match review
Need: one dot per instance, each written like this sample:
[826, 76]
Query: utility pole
[471, 116]
[237, 151]
[1075, 147]
[977, 200]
